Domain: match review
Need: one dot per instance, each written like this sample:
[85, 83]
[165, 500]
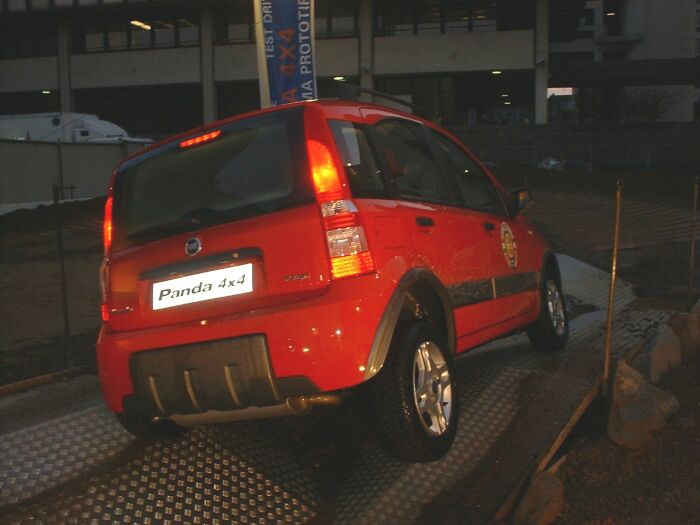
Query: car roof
[331, 102]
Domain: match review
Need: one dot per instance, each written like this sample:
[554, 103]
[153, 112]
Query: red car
[274, 261]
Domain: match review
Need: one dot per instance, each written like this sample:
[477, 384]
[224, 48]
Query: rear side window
[358, 160]
[412, 171]
[478, 192]
[253, 167]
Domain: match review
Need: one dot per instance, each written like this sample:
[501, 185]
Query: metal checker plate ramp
[327, 467]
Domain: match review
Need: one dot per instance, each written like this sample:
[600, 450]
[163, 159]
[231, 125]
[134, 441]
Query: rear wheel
[145, 427]
[415, 397]
[551, 330]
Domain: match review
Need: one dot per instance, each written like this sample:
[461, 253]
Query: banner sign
[284, 30]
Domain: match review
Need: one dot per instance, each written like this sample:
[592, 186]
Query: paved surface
[81, 467]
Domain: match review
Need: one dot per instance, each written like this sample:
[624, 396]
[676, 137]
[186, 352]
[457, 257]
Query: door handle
[425, 221]
[489, 227]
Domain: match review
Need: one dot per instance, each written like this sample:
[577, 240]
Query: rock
[633, 352]
[638, 408]
[696, 308]
[658, 357]
[543, 501]
[687, 328]
[686, 422]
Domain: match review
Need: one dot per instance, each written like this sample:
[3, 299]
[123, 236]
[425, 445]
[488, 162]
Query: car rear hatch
[215, 224]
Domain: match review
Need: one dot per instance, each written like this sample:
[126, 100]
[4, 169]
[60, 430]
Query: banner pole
[263, 79]
[607, 356]
[691, 263]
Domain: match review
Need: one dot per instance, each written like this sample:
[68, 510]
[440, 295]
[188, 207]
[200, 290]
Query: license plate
[204, 286]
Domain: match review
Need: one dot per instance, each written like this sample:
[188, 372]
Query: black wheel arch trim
[390, 318]
[548, 256]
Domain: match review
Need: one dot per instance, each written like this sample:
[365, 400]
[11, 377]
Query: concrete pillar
[366, 45]
[541, 60]
[598, 29]
[64, 52]
[206, 61]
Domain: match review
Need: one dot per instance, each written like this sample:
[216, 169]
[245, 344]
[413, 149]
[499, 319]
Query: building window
[164, 31]
[150, 111]
[140, 34]
[333, 19]
[336, 18]
[138, 30]
[16, 5]
[40, 5]
[94, 39]
[236, 25]
[116, 36]
[471, 98]
[426, 17]
[28, 38]
[188, 31]
[484, 16]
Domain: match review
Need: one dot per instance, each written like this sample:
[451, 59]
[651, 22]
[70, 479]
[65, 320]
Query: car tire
[414, 397]
[146, 428]
[551, 330]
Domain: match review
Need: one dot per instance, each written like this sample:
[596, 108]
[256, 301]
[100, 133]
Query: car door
[444, 239]
[512, 261]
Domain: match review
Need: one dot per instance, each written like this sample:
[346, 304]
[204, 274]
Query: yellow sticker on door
[509, 246]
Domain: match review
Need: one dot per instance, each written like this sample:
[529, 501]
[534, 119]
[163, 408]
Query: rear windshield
[253, 167]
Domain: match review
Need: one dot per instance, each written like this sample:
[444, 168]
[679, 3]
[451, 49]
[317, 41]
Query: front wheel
[415, 396]
[551, 330]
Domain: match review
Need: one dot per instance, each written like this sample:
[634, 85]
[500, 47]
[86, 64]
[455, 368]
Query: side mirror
[521, 199]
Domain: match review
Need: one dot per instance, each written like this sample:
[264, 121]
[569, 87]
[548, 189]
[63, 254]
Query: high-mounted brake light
[347, 244]
[201, 138]
[107, 225]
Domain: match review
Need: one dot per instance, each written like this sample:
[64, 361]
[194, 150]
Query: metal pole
[611, 292]
[691, 266]
[64, 292]
[60, 169]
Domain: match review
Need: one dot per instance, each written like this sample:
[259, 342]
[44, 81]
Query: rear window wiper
[191, 220]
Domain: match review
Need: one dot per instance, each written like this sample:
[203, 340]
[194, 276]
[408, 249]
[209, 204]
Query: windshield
[253, 167]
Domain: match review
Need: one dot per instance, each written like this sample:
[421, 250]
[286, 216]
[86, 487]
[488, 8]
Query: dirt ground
[605, 484]
[31, 309]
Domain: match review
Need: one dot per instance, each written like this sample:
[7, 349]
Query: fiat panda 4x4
[274, 261]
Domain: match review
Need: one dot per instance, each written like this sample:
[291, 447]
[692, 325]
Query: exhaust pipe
[294, 406]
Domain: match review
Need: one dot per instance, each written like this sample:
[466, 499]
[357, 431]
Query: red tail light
[107, 225]
[324, 172]
[104, 279]
[201, 138]
[347, 244]
[104, 311]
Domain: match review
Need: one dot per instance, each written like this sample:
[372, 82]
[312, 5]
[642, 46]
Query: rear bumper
[225, 374]
[312, 346]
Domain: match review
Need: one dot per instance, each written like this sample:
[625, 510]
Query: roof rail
[352, 92]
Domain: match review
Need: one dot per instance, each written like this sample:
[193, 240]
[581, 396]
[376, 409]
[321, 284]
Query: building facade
[160, 66]
[155, 67]
[632, 60]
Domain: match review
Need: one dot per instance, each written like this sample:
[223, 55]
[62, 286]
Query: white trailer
[63, 127]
